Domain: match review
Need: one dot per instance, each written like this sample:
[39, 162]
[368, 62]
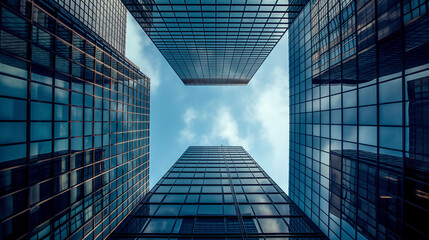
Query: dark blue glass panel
[13, 132]
[13, 87]
[13, 109]
[160, 226]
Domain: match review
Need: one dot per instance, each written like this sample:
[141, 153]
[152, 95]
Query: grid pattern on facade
[107, 18]
[358, 100]
[74, 129]
[215, 42]
[214, 193]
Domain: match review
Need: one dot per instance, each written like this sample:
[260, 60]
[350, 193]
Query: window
[13, 109]
[246, 210]
[17, 89]
[175, 198]
[164, 225]
[211, 198]
[257, 198]
[189, 210]
[156, 198]
[252, 189]
[12, 132]
[168, 210]
[264, 209]
[277, 198]
[273, 225]
[210, 210]
[212, 189]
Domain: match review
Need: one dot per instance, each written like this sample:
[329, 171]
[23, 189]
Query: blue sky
[255, 116]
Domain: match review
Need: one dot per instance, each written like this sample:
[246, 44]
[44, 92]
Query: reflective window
[264, 209]
[13, 132]
[212, 189]
[175, 198]
[391, 114]
[164, 225]
[12, 87]
[257, 198]
[210, 210]
[40, 131]
[168, 210]
[189, 210]
[41, 111]
[273, 225]
[211, 198]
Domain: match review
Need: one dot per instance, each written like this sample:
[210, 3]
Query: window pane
[264, 209]
[210, 210]
[368, 115]
[367, 96]
[41, 92]
[41, 131]
[285, 209]
[160, 226]
[179, 189]
[391, 114]
[12, 87]
[168, 210]
[229, 210]
[390, 91]
[252, 189]
[12, 132]
[189, 210]
[211, 198]
[368, 135]
[246, 210]
[212, 189]
[391, 137]
[175, 198]
[41, 111]
[298, 225]
[13, 109]
[273, 225]
[256, 198]
[61, 112]
[156, 198]
[9, 153]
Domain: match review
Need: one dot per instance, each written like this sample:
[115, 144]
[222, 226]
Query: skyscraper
[108, 19]
[74, 127]
[217, 193]
[358, 125]
[215, 42]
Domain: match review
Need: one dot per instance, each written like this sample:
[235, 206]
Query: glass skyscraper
[216, 193]
[74, 127]
[215, 42]
[107, 18]
[359, 132]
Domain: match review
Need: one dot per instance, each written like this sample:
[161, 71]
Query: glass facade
[216, 193]
[108, 19]
[359, 78]
[215, 42]
[74, 125]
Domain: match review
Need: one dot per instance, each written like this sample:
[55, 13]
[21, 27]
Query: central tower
[216, 193]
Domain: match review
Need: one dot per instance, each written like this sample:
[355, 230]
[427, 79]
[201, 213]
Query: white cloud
[187, 134]
[137, 50]
[270, 112]
[225, 128]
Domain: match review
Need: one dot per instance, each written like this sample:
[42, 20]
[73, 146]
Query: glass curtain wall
[74, 125]
[215, 42]
[217, 193]
[359, 157]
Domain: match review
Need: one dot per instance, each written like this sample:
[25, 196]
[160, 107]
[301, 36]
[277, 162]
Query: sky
[255, 116]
